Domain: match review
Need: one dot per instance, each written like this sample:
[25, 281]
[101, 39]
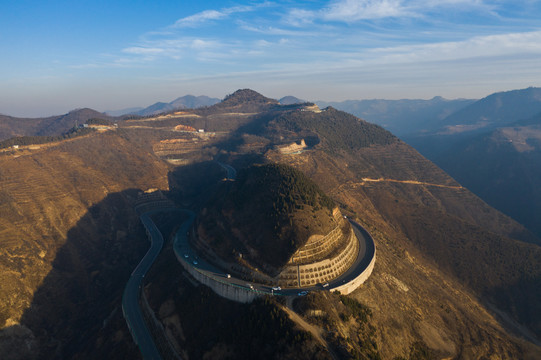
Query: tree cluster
[340, 130]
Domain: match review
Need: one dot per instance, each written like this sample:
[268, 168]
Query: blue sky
[107, 55]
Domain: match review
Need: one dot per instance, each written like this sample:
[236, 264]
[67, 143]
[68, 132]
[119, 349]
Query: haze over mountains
[402, 117]
[492, 147]
[454, 277]
[183, 102]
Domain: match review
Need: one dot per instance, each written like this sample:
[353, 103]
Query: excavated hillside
[70, 239]
[266, 215]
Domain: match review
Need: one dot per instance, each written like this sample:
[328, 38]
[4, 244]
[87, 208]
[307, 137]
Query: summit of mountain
[290, 100]
[245, 100]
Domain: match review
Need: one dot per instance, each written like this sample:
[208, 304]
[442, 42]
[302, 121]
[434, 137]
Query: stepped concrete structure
[323, 258]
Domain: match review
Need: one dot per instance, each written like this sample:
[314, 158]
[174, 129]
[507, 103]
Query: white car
[276, 288]
[250, 286]
[195, 262]
[186, 256]
[228, 276]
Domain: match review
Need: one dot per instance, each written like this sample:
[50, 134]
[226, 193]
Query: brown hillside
[70, 237]
[440, 251]
[52, 125]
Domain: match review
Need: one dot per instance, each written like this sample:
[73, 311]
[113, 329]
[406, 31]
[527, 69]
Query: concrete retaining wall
[226, 290]
[350, 286]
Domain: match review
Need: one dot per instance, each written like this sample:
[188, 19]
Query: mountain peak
[245, 96]
[290, 100]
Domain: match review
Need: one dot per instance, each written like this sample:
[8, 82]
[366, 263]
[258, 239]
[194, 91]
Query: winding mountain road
[184, 252]
[130, 299]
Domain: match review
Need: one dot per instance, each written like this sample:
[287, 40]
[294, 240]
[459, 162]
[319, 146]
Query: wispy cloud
[209, 15]
[350, 11]
[202, 17]
[514, 44]
[353, 10]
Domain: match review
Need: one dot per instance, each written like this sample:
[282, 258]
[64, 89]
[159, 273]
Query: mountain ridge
[48, 126]
[445, 259]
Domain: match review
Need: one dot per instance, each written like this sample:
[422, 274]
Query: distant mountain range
[493, 147]
[401, 116]
[183, 102]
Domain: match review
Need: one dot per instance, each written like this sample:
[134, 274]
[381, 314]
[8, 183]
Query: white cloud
[353, 10]
[350, 11]
[271, 30]
[208, 15]
[138, 50]
[300, 17]
[514, 44]
[199, 18]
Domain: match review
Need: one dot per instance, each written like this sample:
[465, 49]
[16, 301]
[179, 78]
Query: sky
[56, 56]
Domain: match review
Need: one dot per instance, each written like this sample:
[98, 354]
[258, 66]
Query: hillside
[436, 248]
[328, 129]
[266, 215]
[54, 125]
[492, 148]
[70, 238]
[495, 110]
[504, 168]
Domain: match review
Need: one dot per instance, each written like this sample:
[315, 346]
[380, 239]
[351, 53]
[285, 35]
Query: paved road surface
[130, 299]
[184, 251]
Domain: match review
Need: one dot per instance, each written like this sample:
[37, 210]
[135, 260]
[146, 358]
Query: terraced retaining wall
[321, 271]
